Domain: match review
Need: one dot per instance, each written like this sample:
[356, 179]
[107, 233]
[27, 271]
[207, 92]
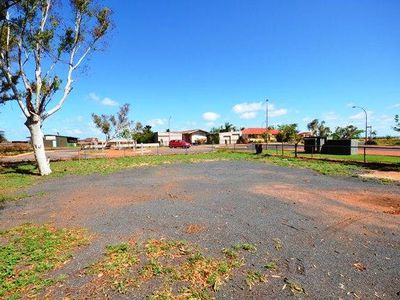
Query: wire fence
[359, 153]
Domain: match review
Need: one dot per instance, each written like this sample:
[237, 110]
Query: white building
[226, 138]
[194, 136]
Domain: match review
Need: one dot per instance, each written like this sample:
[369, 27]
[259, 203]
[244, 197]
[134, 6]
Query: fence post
[282, 149]
[295, 150]
[141, 149]
[365, 158]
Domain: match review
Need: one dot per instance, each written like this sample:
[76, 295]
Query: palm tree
[227, 127]
[318, 128]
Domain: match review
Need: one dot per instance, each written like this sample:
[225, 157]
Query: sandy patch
[391, 175]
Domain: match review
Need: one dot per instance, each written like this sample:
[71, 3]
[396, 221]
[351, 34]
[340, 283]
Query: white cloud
[277, 112]
[210, 116]
[248, 107]
[395, 105]
[106, 101]
[109, 102]
[330, 116]
[248, 110]
[156, 122]
[248, 115]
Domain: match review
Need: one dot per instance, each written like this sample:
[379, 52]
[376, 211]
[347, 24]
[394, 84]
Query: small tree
[318, 128]
[35, 41]
[348, 132]
[287, 133]
[396, 127]
[114, 125]
[2, 137]
[146, 135]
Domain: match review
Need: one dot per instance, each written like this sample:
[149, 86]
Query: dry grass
[174, 270]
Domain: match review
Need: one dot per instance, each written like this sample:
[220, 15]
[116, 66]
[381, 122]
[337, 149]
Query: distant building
[57, 141]
[258, 134]
[194, 136]
[227, 138]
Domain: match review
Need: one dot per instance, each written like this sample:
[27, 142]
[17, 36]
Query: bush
[14, 148]
[371, 142]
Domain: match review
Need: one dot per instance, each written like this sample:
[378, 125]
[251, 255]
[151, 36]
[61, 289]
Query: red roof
[259, 131]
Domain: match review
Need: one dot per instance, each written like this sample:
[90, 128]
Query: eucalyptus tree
[113, 126]
[42, 44]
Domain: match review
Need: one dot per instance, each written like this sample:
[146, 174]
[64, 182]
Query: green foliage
[213, 138]
[318, 128]
[397, 123]
[254, 277]
[114, 125]
[29, 252]
[348, 132]
[287, 133]
[2, 137]
[146, 135]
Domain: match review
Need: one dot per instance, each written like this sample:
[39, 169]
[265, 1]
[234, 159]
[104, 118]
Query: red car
[179, 144]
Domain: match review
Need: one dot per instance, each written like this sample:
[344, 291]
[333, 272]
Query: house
[258, 134]
[193, 136]
[56, 141]
[227, 138]
[305, 134]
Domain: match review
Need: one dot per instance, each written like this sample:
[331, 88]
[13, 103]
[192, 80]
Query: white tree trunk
[38, 147]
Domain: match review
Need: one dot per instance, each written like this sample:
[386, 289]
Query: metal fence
[361, 153]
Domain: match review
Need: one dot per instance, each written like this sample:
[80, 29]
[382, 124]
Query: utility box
[340, 147]
[314, 144]
[258, 148]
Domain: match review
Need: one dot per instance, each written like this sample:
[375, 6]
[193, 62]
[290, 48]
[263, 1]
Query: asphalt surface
[324, 227]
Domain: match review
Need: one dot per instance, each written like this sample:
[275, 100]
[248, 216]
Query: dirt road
[327, 227]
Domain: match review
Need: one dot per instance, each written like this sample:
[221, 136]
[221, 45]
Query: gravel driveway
[340, 237]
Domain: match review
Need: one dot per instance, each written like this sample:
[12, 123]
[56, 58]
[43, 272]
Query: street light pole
[366, 123]
[266, 119]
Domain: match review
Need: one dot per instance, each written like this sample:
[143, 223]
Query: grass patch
[176, 270]
[28, 252]
[254, 277]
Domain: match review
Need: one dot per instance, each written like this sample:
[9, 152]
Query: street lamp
[366, 122]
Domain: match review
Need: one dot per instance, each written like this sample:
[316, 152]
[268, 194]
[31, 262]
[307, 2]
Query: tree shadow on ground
[26, 168]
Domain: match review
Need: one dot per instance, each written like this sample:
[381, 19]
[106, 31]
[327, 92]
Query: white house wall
[198, 136]
[165, 137]
[229, 137]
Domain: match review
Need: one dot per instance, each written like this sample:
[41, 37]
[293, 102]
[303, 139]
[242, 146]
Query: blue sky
[208, 62]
